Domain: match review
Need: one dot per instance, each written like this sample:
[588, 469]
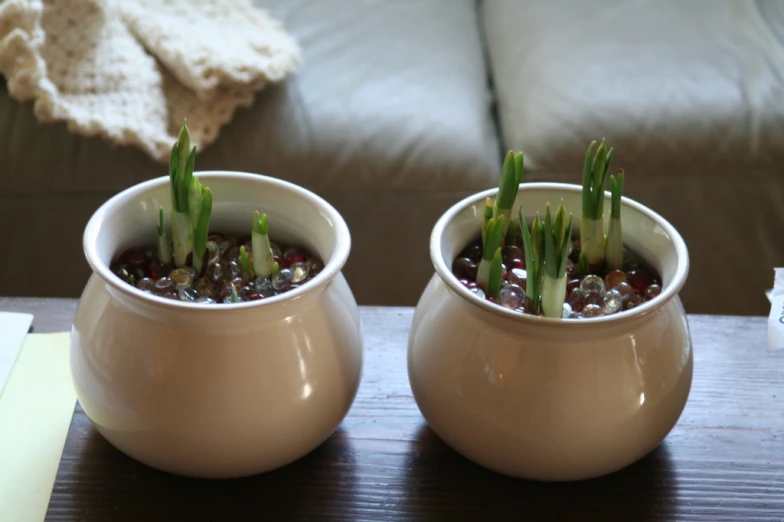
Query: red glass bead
[292, 255]
[472, 252]
[640, 280]
[570, 287]
[517, 263]
[512, 252]
[652, 291]
[464, 268]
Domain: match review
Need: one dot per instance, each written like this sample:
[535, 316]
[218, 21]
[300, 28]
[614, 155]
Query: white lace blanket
[133, 70]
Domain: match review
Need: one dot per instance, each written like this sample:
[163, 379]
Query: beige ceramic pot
[542, 398]
[217, 390]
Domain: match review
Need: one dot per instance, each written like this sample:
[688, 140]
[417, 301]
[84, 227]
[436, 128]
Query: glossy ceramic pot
[551, 399]
[224, 390]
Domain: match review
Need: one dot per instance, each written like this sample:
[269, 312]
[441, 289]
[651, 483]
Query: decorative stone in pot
[218, 388]
[550, 396]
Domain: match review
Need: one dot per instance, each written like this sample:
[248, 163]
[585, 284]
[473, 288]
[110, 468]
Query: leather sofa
[403, 107]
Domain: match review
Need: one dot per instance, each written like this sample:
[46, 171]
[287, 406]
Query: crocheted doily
[132, 71]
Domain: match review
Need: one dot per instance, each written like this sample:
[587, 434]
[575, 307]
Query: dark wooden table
[724, 461]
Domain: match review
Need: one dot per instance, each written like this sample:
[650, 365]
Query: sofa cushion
[389, 118]
[677, 87]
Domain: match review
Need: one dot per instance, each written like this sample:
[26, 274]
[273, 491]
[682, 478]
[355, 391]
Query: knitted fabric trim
[132, 71]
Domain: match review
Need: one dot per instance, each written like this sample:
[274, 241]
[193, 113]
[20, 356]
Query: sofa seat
[389, 119]
[690, 94]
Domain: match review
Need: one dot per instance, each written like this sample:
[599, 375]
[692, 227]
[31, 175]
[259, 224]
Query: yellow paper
[35, 412]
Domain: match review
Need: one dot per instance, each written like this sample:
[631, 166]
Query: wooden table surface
[724, 461]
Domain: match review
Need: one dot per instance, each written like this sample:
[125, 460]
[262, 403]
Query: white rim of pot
[668, 291]
[330, 270]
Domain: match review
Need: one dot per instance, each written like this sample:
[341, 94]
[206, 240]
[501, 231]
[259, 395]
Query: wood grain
[724, 461]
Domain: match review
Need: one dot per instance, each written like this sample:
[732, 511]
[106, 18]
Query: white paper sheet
[13, 329]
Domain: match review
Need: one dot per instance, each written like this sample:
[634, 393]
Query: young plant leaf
[494, 280]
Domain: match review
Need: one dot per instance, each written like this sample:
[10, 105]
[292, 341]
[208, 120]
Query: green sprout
[234, 297]
[592, 239]
[557, 236]
[191, 204]
[264, 264]
[511, 175]
[164, 252]
[533, 246]
[495, 232]
[494, 279]
[200, 220]
[487, 216]
[614, 250]
[247, 272]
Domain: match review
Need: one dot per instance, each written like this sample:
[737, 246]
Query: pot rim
[452, 282]
[330, 270]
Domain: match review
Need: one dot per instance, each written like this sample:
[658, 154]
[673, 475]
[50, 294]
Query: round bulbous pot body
[217, 390]
[543, 398]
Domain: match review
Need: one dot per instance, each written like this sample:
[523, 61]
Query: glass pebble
[204, 287]
[146, 284]
[593, 283]
[282, 280]
[299, 271]
[477, 292]
[614, 277]
[516, 276]
[164, 285]
[275, 249]
[234, 269]
[592, 310]
[594, 298]
[634, 300]
[571, 286]
[233, 254]
[187, 294]
[215, 272]
[472, 252]
[517, 263]
[512, 252]
[181, 277]
[206, 300]
[264, 287]
[576, 299]
[314, 266]
[625, 290]
[293, 255]
[567, 311]
[571, 268]
[213, 252]
[612, 301]
[640, 279]
[227, 286]
[511, 296]
[652, 291]
[464, 268]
